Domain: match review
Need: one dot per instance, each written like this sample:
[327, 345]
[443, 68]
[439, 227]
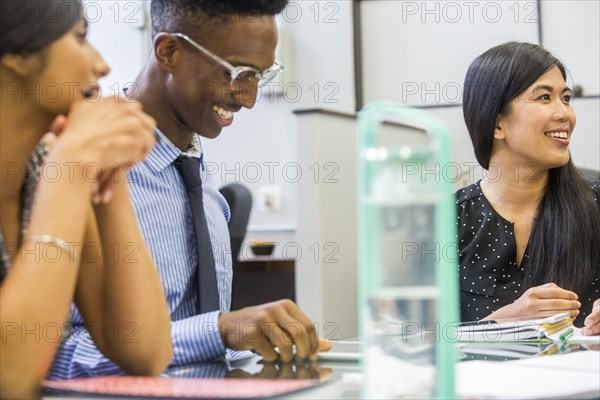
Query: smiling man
[208, 61]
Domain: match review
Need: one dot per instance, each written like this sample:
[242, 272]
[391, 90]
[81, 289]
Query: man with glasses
[209, 59]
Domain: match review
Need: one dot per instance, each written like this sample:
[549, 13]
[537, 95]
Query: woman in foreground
[67, 230]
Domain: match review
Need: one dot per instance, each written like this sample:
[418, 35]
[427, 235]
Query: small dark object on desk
[262, 248]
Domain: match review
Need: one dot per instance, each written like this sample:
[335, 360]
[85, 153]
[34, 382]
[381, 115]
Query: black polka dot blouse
[488, 271]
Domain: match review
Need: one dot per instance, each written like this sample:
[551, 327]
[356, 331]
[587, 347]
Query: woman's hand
[103, 138]
[548, 298]
[591, 325]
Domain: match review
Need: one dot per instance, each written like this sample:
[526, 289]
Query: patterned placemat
[181, 387]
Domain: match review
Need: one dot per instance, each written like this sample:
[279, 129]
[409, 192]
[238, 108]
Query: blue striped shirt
[164, 216]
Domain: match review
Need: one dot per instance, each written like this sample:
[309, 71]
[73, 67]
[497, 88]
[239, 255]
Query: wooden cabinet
[262, 281]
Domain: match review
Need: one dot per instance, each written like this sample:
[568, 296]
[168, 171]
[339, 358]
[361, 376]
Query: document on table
[514, 329]
[578, 337]
[568, 375]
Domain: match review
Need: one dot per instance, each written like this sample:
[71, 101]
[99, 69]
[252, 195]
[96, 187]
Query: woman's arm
[119, 293]
[37, 293]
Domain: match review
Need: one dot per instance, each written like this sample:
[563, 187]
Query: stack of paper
[558, 327]
[508, 350]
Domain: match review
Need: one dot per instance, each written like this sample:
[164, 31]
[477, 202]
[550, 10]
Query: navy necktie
[189, 169]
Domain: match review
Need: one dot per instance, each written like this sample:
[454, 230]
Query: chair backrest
[239, 199]
[589, 174]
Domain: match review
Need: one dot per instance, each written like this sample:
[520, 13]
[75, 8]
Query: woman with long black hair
[529, 233]
[67, 229]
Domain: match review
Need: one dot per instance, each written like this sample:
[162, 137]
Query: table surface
[338, 379]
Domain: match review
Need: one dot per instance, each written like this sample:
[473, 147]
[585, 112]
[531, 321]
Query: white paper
[557, 376]
[576, 337]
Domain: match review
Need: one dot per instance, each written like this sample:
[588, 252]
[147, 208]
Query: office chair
[251, 285]
[239, 199]
[589, 174]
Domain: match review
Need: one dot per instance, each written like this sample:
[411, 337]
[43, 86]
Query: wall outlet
[269, 198]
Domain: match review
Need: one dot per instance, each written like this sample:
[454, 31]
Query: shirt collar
[165, 152]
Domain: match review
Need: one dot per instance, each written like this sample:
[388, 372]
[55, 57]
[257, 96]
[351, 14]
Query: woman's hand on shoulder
[541, 299]
[591, 325]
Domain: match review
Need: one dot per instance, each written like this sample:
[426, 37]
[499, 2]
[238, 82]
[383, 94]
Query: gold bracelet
[58, 242]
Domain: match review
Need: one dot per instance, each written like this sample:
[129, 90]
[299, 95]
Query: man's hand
[592, 322]
[279, 324]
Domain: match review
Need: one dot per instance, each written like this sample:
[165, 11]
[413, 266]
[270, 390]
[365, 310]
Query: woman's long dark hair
[564, 246]
[28, 26]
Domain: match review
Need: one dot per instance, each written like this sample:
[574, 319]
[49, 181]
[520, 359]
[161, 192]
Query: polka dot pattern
[488, 272]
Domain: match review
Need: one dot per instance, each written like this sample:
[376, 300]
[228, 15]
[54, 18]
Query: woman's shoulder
[473, 191]
[595, 185]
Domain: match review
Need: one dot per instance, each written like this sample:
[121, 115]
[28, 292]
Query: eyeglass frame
[234, 71]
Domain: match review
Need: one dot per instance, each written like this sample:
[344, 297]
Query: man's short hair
[176, 15]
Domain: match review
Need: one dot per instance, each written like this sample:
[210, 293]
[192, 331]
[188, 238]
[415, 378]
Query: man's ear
[165, 50]
[499, 133]
[21, 65]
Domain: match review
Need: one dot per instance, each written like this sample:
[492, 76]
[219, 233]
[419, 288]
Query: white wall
[577, 45]
[414, 52]
[120, 32]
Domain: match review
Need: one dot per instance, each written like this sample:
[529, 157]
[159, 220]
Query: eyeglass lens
[246, 78]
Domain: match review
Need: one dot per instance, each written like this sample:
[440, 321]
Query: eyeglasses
[241, 76]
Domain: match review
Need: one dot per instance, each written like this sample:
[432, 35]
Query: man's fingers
[285, 344]
[324, 345]
[311, 333]
[252, 337]
[260, 343]
[295, 332]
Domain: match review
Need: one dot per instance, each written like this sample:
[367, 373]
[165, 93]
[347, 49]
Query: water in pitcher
[407, 256]
[401, 312]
